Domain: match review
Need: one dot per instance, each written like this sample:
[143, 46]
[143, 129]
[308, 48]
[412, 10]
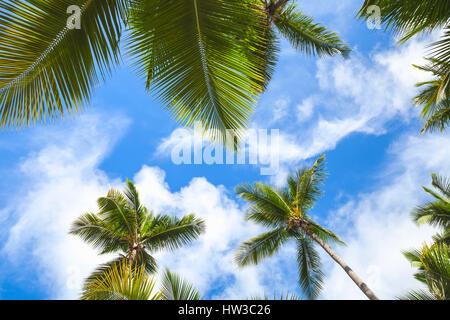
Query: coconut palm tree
[286, 211]
[123, 225]
[123, 281]
[411, 17]
[205, 60]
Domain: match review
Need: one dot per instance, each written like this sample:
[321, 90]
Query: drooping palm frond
[175, 288]
[307, 36]
[326, 235]
[49, 70]
[122, 282]
[309, 267]
[260, 247]
[188, 53]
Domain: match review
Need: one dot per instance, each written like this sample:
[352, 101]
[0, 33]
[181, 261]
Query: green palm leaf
[309, 267]
[122, 282]
[175, 288]
[309, 37]
[172, 233]
[49, 70]
[188, 53]
[260, 247]
[98, 233]
[410, 17]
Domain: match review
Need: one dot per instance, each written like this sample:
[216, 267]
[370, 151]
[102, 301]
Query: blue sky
[357, 112]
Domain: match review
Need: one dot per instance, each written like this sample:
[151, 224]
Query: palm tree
[125, 226]
[286, 212]
[433, 269]
[433, 262]
[205, 60]
[411, 17]
[126, 282]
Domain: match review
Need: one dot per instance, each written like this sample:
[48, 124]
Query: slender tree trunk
[364, 288]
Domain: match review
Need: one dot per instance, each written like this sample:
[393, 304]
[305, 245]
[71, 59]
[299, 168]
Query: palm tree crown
[125, 226]
[286, 212]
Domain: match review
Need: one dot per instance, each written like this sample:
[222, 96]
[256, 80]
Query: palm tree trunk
[364, 288]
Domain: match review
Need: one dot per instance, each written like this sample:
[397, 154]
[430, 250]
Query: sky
[357, 112]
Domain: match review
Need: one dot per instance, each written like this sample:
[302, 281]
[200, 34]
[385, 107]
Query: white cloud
[63, 182]
[305, 110]
[378, 226]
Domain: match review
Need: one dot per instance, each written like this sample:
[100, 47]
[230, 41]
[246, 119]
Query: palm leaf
[260, 247]
[310, 273]
[49, 70]
[197, 68]
[175, 288]
[309, 37]
[307, 185]
[410, 17]
[99, 234]
[122, 282]
[171, 232]
[268, 206]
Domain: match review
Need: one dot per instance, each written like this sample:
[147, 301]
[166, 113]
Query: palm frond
[99, 234]
[49, 70]
[417, 295]
[132, 197]
[442, 184]
[260, 247]
[410, 17]
[307, 36]
[310, 273]
[114, 211]
[172, 233]
[278, 296]
[326, 235]
[122, 282]
[307, 185]
[188, 53]
[175, 288]
[267, 205]
[433, 268]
